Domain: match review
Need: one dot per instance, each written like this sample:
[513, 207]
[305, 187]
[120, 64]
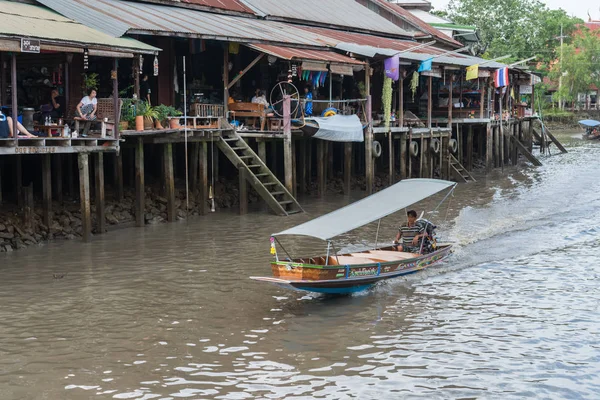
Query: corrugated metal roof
[289, 53]
[230, 5]
[370, 46]
[27, 20]
[116, 17]
[344, 13]
[415, 21]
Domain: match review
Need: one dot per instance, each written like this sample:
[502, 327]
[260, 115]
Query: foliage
[520, 28]
[580, 67]
[90, 81]
[362, 90]
[125, 91]
[414, 84]
[386, 97]
[164, 112]
[145, 110]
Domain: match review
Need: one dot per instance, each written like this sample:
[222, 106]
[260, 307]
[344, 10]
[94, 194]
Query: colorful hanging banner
[501, 77]
[392, 67]
[473, 72]
[426, 65]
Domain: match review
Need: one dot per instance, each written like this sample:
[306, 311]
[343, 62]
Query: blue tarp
[589, 122]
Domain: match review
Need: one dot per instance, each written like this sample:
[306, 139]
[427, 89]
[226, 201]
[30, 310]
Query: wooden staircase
[460, 171]
[266, 184]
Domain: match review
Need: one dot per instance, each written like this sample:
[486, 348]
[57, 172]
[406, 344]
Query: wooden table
[48, 129]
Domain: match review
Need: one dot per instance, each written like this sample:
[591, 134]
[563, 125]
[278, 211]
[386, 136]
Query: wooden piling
[84, 196]
[301, 167]
[287, 145]
[243, 192]
[274, 158]
[459, 137]
[1, 169]
[118, 176]
[409, 156]
[321, 167]
[369, 167]
[309, 166]
[489, 147]
[330, 149]
[28, 206]
[140, 190]
[47, 189]
[193, 167]
[391, 178]
[169, 181]
[203, 172]
[100, 197]
[496, 147]
[347, 167]
[402, 155]
[262, 151]
[294, 168]
[57, 182]
[421, 149]
[470, 148]
[19, 180]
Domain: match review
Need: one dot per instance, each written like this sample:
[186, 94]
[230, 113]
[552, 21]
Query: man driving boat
[411, 234]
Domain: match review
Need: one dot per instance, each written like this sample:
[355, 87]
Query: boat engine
[429, 244]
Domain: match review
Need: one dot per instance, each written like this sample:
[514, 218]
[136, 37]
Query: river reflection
[168, 311]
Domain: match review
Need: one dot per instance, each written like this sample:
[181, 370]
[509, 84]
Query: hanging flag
[501, 77]
[392, 67]
[473, 72]
[426, 65]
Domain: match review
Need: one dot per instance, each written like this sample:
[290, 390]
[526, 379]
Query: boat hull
[347, 279]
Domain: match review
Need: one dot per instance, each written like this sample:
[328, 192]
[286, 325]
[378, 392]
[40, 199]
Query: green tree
[521, 28]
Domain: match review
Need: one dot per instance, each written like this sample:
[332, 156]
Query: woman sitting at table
[6, 128]
[87, 107]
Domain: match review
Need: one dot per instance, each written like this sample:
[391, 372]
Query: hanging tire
[413, 148]
[434, 146]
[453, 145]
[376, 149]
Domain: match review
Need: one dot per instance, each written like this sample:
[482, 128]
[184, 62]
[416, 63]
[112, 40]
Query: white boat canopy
[369, 209]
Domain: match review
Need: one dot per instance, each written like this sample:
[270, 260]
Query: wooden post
[3, 83]
[47, 189]
[193, 168]
[369, 165]
[84, 196]
[309, 158]
[116, 108]
[70, 175]
[441, 160]
[302, 165]
[136, 75]
[28, 208]
[140, 190]
[118, 176]
[409, 156]
[287, 144]
[15, 110]
[203, 172]
[489, 141]
[391, 179]
[429, 100]
[294, 168]
[450, 101]
[225, 78]
[67, 73]
[1, 165]
[402, 156]
[19, 180]
[321, 166]
[243, 192]
[329, 160]
[501, 137]
[262, 151]
[459, 137]
[470, 148]
[421, 148]
[347, 167]
[58, 181]
[401, 100]
[497, 145]
[274, 157]
[100, 212]
[482, 96]
[169, 181]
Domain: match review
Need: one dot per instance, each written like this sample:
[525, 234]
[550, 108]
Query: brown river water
[168, 312]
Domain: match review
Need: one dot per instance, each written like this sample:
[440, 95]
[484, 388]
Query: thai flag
[501, 77]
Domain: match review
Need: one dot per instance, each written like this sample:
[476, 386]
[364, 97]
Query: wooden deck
[58, 145]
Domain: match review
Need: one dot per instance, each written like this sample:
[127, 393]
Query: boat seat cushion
[399, 255]
[350, 260]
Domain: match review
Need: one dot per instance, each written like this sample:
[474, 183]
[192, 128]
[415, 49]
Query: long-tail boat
[350, 272]
[592, 129]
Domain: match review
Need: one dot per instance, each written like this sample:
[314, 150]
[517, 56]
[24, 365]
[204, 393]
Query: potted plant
[163, 113]
[149, 115]
[90, 81]
[174, 115]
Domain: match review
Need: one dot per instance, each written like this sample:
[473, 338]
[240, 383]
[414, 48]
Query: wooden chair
[249, 110]
[105, 110]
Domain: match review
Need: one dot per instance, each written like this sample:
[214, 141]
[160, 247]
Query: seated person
[87, 107]
[308, 105]
[411, 234]
[259, 98]
[6, 128]
[56, 101]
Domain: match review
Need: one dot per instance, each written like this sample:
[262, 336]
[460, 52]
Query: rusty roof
[290, 53]
[229, 5]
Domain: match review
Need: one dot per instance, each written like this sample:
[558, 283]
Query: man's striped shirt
[409, 233]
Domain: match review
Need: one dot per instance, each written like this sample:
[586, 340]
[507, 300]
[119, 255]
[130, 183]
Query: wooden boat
[592, 129]
[349, 272]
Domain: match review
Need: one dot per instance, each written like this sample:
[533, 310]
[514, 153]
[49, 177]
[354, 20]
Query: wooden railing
[207, 110]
